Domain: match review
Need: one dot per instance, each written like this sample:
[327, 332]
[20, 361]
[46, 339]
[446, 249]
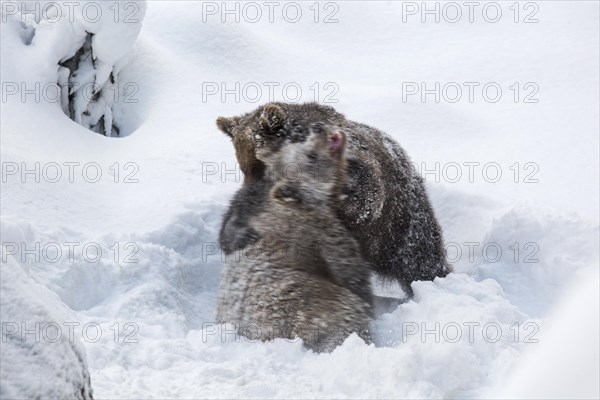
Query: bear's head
[262, 132]
[309, 174]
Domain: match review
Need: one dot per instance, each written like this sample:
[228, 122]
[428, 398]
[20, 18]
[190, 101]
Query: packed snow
[126, 227]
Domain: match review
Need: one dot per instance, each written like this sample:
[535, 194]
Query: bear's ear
[286, 193]
[272, 118]
[226, 125]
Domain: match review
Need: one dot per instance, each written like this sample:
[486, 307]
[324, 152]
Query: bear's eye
[312, 156]
[318, 128]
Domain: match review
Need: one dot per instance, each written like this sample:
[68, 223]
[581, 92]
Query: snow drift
[40, 355]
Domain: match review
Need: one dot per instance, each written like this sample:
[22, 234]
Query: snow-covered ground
[524, 243]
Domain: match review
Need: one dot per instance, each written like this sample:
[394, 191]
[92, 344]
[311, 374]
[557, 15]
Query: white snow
[556, 370]
[154, 300]
[41, 356]
[102, 35]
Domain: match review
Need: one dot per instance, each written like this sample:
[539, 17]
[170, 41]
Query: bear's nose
[336, 141]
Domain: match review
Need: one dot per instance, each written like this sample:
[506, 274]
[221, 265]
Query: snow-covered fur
[305, 276]
[385, 204]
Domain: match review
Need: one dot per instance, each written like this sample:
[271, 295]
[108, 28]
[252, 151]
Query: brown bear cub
[384, 201]
[304, 276]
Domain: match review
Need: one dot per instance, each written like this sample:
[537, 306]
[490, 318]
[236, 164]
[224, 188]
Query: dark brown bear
[385, 204]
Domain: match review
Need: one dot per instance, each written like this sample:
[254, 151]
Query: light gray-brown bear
[385, 204]
[305, 276]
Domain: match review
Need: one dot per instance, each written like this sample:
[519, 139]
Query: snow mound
[38, 340]
[557, 367]
[83, 46]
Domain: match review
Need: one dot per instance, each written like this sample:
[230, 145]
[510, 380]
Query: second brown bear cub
[305, 276]
[385, 204]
